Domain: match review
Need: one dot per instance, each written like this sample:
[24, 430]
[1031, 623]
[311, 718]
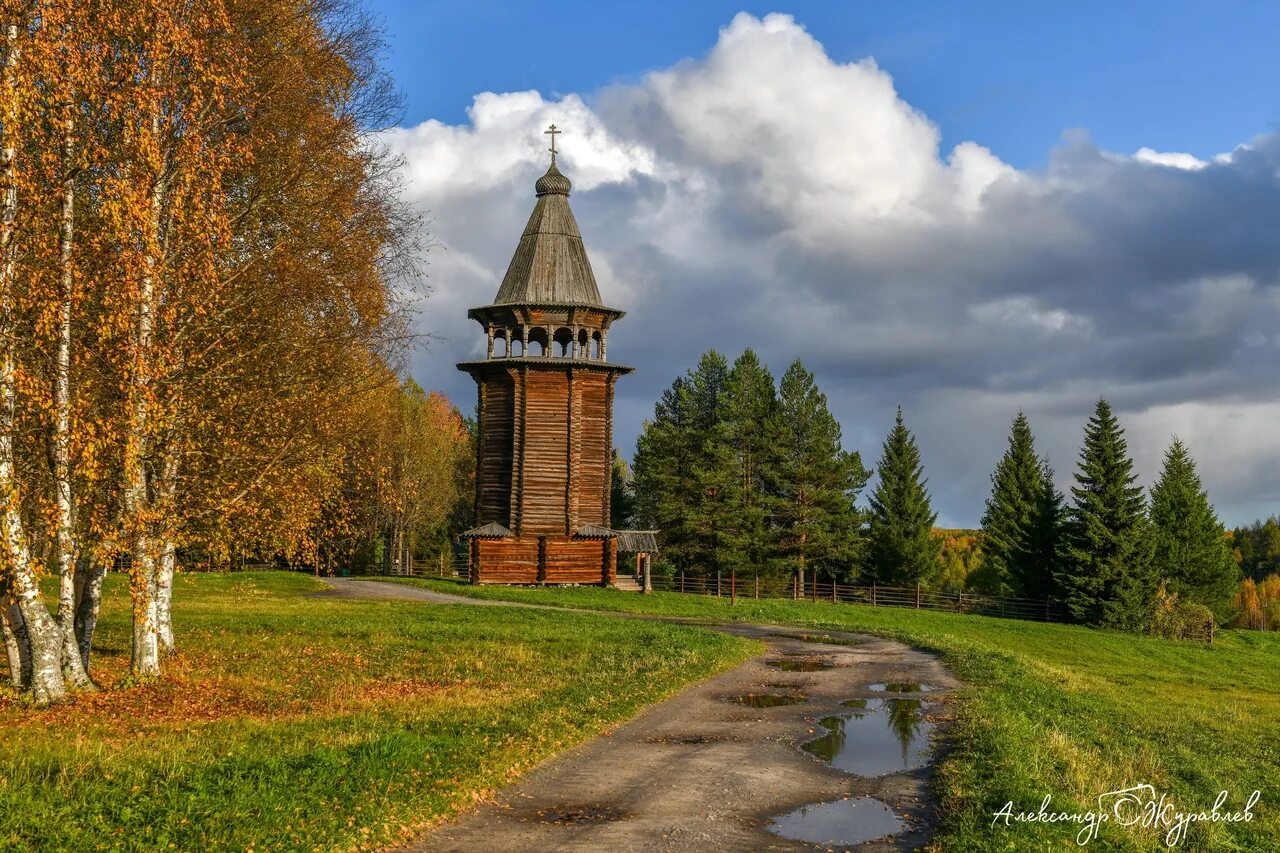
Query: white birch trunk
[88, 599]
[44, 637]
[73, 666]
[164, 595]
[137, 492]
[17, 644]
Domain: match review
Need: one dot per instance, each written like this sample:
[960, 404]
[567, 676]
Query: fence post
[717, 583]
[795, 587]
[917, 595]
[682, 580]
[814, 590]
[873, 593]
[757, 586]
[833, 590]
[733, 586]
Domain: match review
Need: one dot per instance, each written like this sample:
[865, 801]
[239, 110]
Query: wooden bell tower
[545, 446]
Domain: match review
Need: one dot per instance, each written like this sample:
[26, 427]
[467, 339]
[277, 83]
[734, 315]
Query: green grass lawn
[295, 723]
[1056, 710]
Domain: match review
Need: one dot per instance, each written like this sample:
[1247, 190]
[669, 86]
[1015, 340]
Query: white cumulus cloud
[766, 195]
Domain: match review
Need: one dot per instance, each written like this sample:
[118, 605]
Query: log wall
[544, 559]
[543, 469]
[494, 451]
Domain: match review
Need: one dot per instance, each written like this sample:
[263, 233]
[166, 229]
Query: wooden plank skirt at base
[545, 559]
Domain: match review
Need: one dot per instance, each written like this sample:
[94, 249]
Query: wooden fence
[734, 586]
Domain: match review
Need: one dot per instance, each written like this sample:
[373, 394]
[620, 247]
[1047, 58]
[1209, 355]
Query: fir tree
[1189, 546]
[813, 482]
[1020, 522]
[750, 403]
[1106, 576]
[902, 547]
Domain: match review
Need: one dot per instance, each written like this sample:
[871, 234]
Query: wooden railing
[734, 586]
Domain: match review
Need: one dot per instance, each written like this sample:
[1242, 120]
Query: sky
[968, 210]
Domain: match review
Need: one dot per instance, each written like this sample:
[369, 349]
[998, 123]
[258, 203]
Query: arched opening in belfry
[564, 340]
[500, 347]
[583, 337]
[537, 341]
[596, 345]
[517, 347]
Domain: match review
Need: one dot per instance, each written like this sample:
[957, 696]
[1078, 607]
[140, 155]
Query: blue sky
[969, 210]
[1181, 76]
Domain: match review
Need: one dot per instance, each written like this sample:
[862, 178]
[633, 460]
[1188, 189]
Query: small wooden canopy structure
[545, 385]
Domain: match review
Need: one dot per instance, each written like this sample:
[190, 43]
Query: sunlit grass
[289, 722]
[1056, 710]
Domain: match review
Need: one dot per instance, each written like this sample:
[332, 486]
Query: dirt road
[702, 771]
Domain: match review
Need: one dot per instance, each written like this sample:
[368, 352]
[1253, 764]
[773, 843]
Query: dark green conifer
[750, 403]
[1189, 545]
[1021, 519]
[813, 482]
[1106, 576]
[902, 547]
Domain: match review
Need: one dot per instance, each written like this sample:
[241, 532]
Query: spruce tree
[750, 403]
[813, 482]
[1020, 522]
[902, 547]
[1189, 545]
[1106, 576]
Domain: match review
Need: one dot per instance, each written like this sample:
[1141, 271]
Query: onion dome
[552, 183]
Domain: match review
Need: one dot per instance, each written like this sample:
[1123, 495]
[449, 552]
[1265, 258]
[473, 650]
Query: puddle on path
[800, 665]
[843, 823]
[579, 814]
[863, 706]
[873, 741]
[826, 639]
[767, 700]
[901, 687]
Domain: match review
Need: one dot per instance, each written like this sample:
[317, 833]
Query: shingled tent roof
[550, 263]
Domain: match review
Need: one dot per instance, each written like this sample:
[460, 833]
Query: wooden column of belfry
[545, 419]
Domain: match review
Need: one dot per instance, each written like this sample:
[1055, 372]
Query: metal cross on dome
[552, 131]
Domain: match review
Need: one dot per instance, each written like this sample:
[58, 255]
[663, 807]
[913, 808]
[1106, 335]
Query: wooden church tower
[545, 445]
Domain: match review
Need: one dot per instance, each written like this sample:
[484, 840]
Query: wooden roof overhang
[480, 367]
[537, 313]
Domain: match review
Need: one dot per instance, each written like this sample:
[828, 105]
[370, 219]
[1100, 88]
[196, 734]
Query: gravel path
[701, 771]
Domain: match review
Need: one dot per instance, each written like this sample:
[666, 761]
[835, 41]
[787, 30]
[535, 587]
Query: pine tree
[1189, 546]
[1020, 523]
[684, 479]
[813, 482]
[902, 547]
[750, 403]
[1106, 576]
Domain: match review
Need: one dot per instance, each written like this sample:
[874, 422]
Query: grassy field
[1057, 710]
[296, 723]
